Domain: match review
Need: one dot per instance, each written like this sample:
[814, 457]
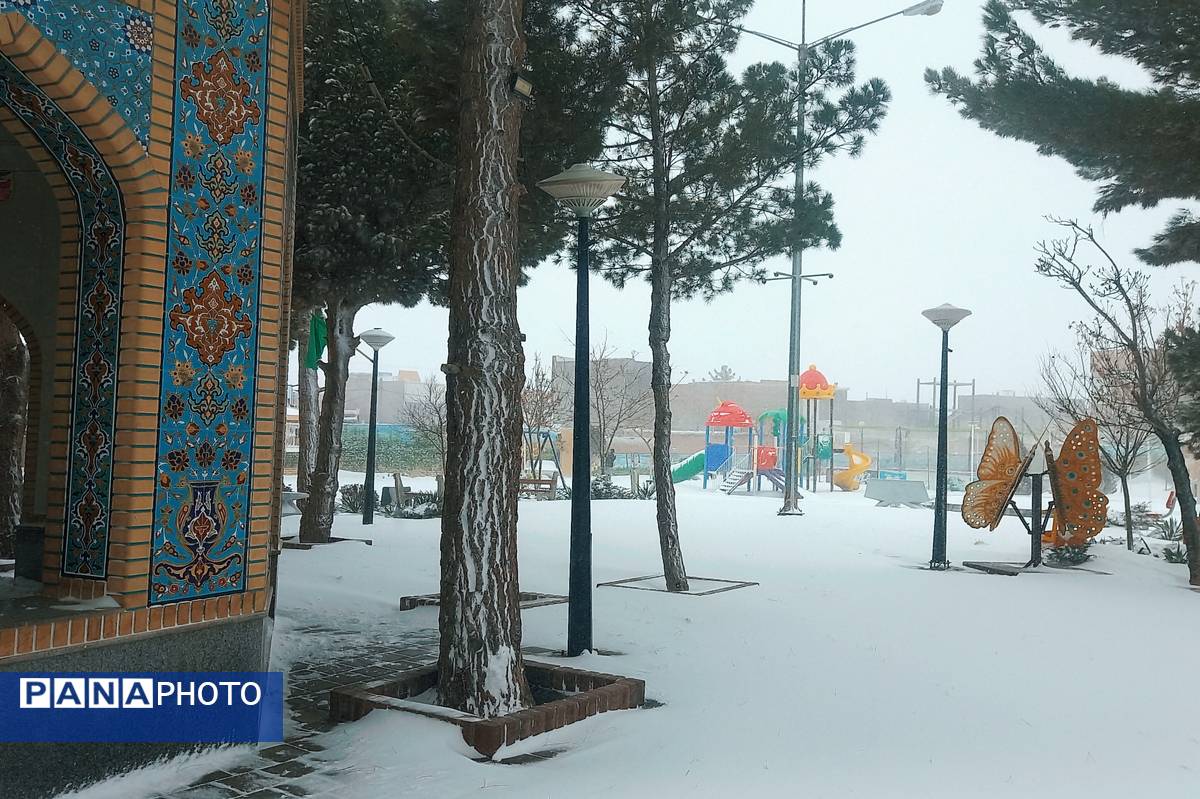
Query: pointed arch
[115, 186]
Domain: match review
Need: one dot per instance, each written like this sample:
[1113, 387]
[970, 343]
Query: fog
[936, 210]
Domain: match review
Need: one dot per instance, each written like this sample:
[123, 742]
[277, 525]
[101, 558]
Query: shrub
[1168, 530]
[1140, 513]
[603, 488]
[1175, 554]
[352, 499]
[1069, 555]
[419, 505]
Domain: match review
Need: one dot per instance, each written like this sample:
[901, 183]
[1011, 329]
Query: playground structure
[719, 456]
[537, 442]
[815, 447]
[860, 462]
[761, 464]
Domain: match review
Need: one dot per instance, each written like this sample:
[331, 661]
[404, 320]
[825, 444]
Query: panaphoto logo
[128, 693]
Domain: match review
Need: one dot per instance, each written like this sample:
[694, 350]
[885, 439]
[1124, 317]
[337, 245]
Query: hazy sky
[936, 210]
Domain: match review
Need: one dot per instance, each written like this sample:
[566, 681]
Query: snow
[849, 671]
[166, 774]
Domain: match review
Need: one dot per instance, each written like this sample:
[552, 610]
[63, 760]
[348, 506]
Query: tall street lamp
[945, 317]
[376, 339]
[926, 8]
[581, 189]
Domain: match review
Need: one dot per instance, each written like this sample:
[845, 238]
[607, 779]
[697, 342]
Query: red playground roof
[729, 414]
[813, 385]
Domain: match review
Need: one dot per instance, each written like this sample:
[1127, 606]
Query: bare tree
[426, 416]
[620, 396]
[14, 382]
[1074, 390]
[722, 375]
[1130, 357]
[543, 404]
[480, 667]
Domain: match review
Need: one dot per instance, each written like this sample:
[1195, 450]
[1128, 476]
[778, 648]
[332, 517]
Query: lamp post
[945, 317]
[376, 339]
[581, 189]
[925, 8]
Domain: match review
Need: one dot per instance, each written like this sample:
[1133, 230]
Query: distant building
[395, 392]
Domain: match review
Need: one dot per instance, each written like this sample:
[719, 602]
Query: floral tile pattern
[93, 393]
[206, 420]
[109, 42]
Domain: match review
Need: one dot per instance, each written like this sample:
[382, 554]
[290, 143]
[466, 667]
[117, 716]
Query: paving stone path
[289, 769]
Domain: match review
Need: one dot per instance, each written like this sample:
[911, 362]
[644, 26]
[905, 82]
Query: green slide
[686, 470]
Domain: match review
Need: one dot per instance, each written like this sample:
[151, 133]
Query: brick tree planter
[577, 694]
[527, 599]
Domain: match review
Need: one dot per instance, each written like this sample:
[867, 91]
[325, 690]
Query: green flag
[317, 336]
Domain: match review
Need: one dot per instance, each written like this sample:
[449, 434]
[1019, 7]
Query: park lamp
[926, 9]
[582, 188]
[376, 338]
[946, 315]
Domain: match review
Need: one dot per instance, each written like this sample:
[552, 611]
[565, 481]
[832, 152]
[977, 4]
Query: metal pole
[579, 608]
[369, 487]
[1036, 520]
[791, 490]
[939, 560]
[831, 444]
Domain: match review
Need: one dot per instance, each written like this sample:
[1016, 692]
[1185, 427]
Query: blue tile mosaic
[109, 42]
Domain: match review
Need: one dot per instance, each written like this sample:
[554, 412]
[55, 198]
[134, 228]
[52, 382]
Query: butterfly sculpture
[1080, 509]
[1000, 470]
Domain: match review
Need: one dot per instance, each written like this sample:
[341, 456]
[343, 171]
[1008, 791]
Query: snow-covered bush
[603, 488]
[1168, 530]
[352, 498]
[1143, 518]
[1175, 554]
[1069, 555]
[419, 505]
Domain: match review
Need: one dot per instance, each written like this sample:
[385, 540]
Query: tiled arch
[120, 196]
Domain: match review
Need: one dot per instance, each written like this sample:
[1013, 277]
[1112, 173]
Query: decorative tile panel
[210, 319]
[94, 381]
[109, 42]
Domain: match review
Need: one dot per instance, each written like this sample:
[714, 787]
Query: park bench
[540, 487]
[399, 493]
[898, 493]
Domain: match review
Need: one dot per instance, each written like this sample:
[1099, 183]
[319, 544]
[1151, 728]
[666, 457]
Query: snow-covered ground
[849, 671]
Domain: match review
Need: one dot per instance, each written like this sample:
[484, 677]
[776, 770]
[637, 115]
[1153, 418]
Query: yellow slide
[860, 462]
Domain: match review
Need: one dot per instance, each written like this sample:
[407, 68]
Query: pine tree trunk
[14, 381]
[1128, 512]
[661, 283]
[316, 523]
[309, 410]
[480, 668]
[1187, 501]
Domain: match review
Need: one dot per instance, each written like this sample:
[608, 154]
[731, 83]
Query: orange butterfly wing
[1080, 509]
[999, 471]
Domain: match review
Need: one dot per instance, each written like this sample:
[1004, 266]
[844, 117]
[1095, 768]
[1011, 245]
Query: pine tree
[706, 155]
[1143, 147]
[480, 668]
[377, 173]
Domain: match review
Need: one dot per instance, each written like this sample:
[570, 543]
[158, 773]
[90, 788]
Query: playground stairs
[735, 480]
